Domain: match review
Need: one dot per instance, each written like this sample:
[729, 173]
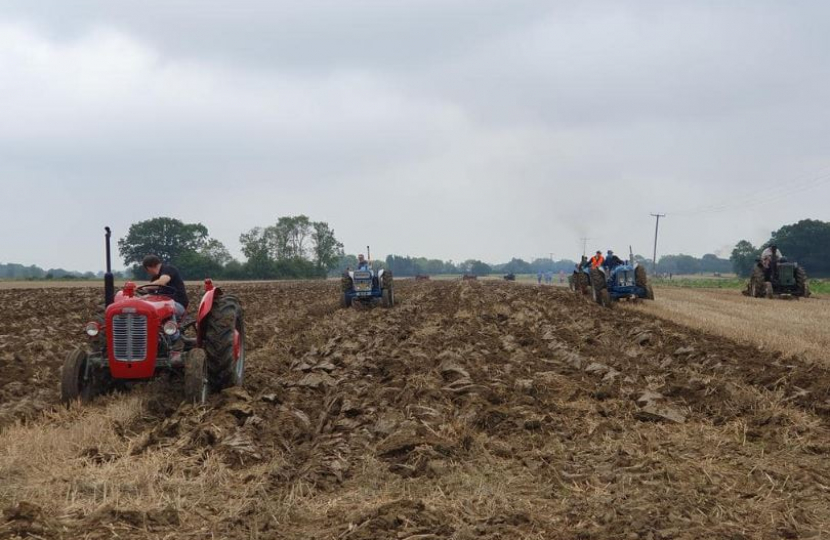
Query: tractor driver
[768, 256]
[612, 261]
[597, 260]
[168, 275]
[362, 263]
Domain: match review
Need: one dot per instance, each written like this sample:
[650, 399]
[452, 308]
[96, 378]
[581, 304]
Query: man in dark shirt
[168, 275]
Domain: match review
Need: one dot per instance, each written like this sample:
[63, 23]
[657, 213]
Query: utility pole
[656, 228]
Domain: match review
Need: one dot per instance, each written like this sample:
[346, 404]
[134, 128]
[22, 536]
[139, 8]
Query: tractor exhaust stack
[109, 283]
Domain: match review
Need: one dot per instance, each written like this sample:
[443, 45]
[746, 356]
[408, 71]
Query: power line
[783, 190]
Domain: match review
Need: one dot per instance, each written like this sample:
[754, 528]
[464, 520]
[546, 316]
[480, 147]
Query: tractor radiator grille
[129, 337]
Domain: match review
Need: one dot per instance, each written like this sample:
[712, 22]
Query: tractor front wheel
[196, 381]
[78, 381]
[222, 323]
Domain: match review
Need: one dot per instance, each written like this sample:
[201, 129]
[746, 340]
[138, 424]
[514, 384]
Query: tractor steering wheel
[163, 290]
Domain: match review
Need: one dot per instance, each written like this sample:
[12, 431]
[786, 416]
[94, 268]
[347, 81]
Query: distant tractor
[469, 277]
[624, 281]
[133, 342]
[510, 277]
[366, 286]
[788, 280]
[422, 277]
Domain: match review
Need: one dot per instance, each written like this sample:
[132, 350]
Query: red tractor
[133, 342]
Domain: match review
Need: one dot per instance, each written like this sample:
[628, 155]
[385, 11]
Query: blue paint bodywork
[621, 283]
[365, 286]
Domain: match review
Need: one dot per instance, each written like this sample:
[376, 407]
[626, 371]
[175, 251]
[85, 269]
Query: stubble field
[471, 410]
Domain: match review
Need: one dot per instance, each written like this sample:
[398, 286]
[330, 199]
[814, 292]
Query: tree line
[294, 247]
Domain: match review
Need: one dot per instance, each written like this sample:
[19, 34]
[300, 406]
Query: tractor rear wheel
[649, 292]
[221, 324]
[345, 301]
[196, 381]
[801, 284]
[768, 291]
[77, 381]
[640, 277]
[388, 297]
[756, 286]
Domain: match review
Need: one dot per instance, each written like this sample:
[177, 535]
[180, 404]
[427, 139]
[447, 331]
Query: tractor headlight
[92, 329]
[170, 328]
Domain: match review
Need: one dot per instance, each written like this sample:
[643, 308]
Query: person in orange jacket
[597, 260]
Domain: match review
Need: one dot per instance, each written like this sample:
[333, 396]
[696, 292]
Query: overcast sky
[445, 128]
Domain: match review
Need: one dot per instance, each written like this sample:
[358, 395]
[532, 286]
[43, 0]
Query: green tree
[327, 250]
[479, 268]
[743, 258]
[806, 243]
[166, 237]
[288, 237]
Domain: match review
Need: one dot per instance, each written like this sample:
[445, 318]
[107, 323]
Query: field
[472, 410]
[795, 328]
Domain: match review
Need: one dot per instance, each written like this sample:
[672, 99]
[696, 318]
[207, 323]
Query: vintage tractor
[510, 277]
[623, 281]
[133, 342]
[789, 280]
[366, 285]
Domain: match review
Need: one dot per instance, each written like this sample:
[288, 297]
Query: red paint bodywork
[204, 308]
[157, 309]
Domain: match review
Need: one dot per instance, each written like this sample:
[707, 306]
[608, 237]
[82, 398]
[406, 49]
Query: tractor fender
[204, 308]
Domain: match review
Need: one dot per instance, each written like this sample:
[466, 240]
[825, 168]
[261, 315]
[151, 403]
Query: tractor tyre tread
[224, 317]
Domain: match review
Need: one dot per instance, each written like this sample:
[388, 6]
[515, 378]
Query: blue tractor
[614, 280]
[622, 281]
[365, 285]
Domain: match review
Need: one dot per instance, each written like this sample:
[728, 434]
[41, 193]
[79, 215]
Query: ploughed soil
[470, 410]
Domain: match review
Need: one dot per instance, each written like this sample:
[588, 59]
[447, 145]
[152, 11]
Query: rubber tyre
[196, 380]
[768, 292]
[649, 292]
[388, 298]
[225, 316]
[801, 282]
[345, 301]
[75, 385]
[598, 282]
[640, 277]
[756, 286]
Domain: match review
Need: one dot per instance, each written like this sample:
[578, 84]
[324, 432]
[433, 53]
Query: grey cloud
[491, 129]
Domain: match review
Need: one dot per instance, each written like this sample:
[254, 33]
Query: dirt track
[472, 410]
